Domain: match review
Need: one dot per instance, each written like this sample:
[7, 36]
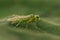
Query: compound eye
[37, 17]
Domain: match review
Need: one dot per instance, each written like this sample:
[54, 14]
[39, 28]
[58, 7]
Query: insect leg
[17, 24]
[26, 25]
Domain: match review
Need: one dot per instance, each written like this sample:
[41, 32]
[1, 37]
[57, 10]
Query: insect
[16, 20]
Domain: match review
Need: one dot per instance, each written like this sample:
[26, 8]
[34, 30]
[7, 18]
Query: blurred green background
[49, 11]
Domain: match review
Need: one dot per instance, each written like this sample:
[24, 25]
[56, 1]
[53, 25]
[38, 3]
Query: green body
[31, 18]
